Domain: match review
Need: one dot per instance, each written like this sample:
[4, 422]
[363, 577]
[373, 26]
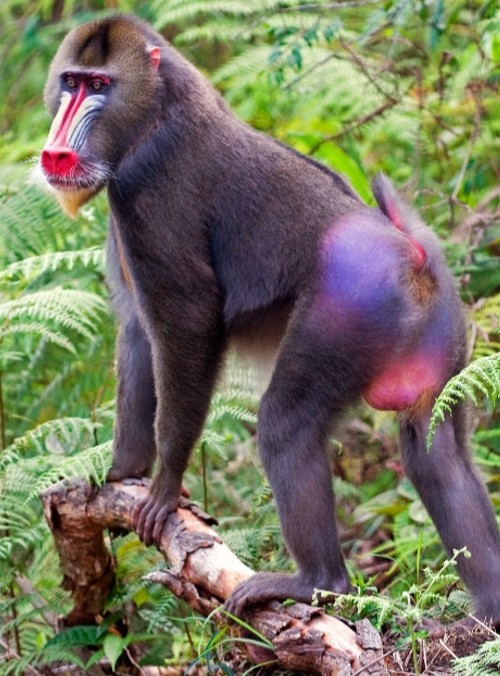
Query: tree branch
[203, 571]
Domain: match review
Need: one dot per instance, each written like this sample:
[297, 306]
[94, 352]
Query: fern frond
[24, 215]
[235, 412]
[67, 308]
[484, 662]
[62, 647]
[480, 378]
[378, 608]
[223, 29]
[34, 266]
[487, 319]
[38, 329]
[182, 12]
[66, 433]
[20, 519]
[214, 441]
[160, 616]
[91, 464]
[214, 31]
[245, 66]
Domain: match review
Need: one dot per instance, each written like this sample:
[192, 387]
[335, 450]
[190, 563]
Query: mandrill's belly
[404, 382]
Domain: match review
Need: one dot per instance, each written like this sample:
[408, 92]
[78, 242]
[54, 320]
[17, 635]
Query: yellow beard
[72, 200]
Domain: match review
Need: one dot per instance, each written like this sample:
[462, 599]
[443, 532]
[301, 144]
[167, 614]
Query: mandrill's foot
[132, 481]
[150, 515]
[119, 472]
[263, 587]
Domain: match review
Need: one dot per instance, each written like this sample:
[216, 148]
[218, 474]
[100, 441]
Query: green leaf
[113, 646]
[340, 161]
[495, 48]
[438, 24]
[76, 637]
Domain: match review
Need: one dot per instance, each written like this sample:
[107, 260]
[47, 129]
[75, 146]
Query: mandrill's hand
[149, 515]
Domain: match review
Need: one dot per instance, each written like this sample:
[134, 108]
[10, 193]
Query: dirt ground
[434, 655]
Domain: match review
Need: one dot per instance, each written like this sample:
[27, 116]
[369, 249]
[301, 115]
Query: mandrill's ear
[154, 56]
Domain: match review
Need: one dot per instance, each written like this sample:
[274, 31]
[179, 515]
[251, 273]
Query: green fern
[91, 464]
[426, 597]
[21, 524]
[63, 435]
[162, 616]
[486, 320]
[60, 648]
[412, 533]
[49, 314]
[68, 308]
[248, 543]
[24, 214]
[380, 609]
[484, 662]
[36, 266]
[479, 379]
[179, 11]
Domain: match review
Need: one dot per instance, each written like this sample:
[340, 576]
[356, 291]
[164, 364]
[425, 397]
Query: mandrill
[220, 235]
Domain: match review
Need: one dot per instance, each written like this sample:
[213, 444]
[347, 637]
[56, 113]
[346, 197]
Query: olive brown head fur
[220, 234]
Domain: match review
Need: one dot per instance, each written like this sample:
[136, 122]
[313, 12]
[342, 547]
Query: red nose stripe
[58, 159]
[71, 111]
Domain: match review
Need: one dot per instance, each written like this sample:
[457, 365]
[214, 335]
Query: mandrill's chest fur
[205, 218]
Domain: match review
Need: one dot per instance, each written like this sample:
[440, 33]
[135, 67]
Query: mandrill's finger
[159, 524]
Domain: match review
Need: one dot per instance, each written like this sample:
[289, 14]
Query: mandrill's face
[97, 87]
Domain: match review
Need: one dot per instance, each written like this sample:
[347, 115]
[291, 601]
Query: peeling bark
[203, 571]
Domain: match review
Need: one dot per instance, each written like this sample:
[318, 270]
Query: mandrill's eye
[97, 85]
[71, 82]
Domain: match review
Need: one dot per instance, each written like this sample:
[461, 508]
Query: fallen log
[203, 571]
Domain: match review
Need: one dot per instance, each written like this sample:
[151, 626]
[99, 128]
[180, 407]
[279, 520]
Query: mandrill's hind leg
[457, 502]
[315, 379]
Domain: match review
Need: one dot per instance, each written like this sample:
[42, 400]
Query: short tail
[401, 215]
